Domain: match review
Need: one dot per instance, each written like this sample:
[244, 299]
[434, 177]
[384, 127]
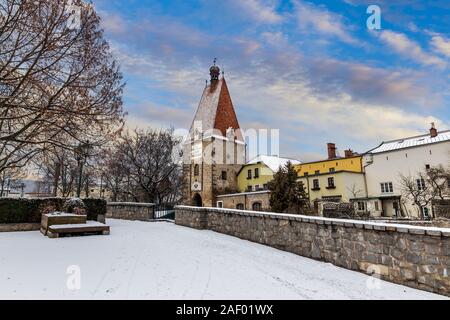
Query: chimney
[349, 153]
[433, 131]
[331, 150]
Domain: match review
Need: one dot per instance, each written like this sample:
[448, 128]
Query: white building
[385, 164]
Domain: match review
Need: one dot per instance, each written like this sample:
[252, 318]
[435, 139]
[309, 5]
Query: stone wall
[130, 211]
[414, 256]
[13, 227]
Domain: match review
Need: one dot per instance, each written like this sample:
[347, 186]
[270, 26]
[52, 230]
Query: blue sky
[309, 68]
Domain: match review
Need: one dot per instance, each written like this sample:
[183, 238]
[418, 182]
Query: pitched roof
[273, 162]
[411, 142]
[215, 110]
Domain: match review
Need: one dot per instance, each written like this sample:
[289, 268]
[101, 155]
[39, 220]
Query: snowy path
[163, 261]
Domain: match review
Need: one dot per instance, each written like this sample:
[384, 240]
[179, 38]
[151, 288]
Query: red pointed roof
[215, 110]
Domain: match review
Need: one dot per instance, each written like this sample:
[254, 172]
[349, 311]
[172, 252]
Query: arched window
[240, 206]
[256, 206]
[196, 170]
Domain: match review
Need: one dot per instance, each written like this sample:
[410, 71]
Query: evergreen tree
[287, 194]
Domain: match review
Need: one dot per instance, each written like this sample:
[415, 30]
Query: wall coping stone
[131, 204]
[378, 226]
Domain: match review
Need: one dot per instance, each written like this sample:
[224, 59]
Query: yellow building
[336, 179]
[256, 174]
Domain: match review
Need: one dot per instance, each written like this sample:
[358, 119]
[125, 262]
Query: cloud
[274, 81]
[410, 49]
[113, 24]
[441, 45]
[322, 21]
[262, 11]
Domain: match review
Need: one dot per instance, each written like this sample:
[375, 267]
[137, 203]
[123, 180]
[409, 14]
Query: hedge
[22, 210]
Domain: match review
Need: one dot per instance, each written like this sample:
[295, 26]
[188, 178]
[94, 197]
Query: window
[427, 166]
[377, 208]
[361, 206]
[196, 170]
[306, 174]
[425, 212]
[332, 170]
[387, 187]
[240, 206]
[265, 186]
[249, 174]
[316, 185]
[331, 183]
[256, 172]
[420, 184]
[257, 187]
[249, 188]
[219, 204]
[224, 175]
[317, 172]
[256, 206]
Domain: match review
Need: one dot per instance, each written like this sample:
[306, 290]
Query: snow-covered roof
[216, 111]
[411, 142]
[207, 108]
[273, 162]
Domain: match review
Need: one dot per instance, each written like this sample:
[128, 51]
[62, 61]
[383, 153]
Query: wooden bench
[59, 218]
[90, 227]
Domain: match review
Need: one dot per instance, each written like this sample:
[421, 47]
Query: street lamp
[81, 154]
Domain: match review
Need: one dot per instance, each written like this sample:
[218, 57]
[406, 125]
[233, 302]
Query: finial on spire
[214, 71]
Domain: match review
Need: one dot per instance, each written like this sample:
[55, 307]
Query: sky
[312, 69]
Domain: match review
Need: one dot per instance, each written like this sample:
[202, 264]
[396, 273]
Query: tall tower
[214, 151]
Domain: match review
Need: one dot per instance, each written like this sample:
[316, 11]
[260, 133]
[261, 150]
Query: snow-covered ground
[159, 260]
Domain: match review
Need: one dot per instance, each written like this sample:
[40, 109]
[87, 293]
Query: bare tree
[143, 167]
[425, 187]
[9, 179]
[58, 82]
[355, 191]
[438, 177]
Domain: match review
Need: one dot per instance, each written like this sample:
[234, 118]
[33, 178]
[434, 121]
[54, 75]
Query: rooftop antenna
[215, 60]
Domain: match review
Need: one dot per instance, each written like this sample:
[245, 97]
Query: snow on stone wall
[415, 256]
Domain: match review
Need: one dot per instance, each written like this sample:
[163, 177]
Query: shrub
[95, 207]
[23, 210]
[75, 205]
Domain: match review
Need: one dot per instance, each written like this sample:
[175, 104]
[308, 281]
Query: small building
[258, 172]
[255, 201]
[335, 179]
[385, 164]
